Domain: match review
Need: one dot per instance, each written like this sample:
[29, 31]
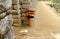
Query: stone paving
[45, 23]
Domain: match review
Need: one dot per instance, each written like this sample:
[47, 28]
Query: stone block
[25, 6]
[15, 21]
[14, 1]
[15, 7]
[15, 16]
[14, 12]
[25, 1]
[23, 10]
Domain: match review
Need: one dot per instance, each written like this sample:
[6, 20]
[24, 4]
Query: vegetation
[56, 5]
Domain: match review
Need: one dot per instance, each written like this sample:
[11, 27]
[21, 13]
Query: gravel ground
[45, 23]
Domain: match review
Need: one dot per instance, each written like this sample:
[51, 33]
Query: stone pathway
[45, 23]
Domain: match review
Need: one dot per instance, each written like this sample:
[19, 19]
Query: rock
[5, 24]
[24, 32]
[25, 6]
[2, 15]
[7, 4]
[6, 19]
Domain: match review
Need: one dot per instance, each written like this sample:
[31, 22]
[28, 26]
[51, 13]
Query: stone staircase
[15, 20]
[15, 13]
[22, 6]
[18, 11]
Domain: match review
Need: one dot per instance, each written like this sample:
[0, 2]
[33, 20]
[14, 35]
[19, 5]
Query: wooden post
[30, 15]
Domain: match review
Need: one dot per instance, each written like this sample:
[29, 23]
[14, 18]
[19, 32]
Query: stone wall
[22, 5]
[16, 12]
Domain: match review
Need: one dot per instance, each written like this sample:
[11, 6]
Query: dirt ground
[45, 22]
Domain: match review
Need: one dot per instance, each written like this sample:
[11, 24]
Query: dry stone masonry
[16, 13]
[19, 11]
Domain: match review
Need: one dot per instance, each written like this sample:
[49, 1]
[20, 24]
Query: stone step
[14, 2]
[15, 7]
[15, 24]
[15, 20]
[25, 6]
[15, 16]
[14, 12]
[25, 1]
